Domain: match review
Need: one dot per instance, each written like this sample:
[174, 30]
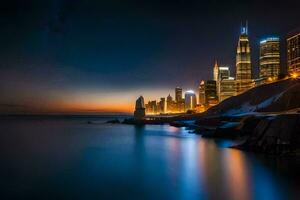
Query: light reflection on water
[77, 160]
[236, 174]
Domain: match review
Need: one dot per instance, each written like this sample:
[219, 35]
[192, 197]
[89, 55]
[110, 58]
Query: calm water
[66, 158]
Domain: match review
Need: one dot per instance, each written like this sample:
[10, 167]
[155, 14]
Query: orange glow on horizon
[91, 107]
[70, 107]
[81, 102]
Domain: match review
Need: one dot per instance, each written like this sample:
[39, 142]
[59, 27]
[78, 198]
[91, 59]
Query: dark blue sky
[62, 53]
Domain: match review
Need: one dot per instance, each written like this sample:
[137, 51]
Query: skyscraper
[221, 72]
[208, 93]
[216, 71]
[221, 76]
[190, 100]
[211, 97]
[243, 62]
[151, 107]
[178, 94]
[224, 73]
[179, 100]
[269, 59]
[169, 98]
[202, 93]
[170, 104]
[293, 53]
[226, 88]
[162, 105]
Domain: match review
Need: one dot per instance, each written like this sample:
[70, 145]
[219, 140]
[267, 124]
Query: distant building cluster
[223, 85]
[170, 105]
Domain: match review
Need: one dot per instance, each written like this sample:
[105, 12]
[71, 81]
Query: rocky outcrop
[139, 112]
[289, 99]
[278, 134]
[228, 130]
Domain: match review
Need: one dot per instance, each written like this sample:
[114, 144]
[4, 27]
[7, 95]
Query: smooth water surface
[67, 158]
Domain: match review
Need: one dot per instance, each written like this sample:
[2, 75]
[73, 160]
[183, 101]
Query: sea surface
[64, 157]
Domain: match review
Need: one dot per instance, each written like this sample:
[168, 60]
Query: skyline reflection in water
[71, 159]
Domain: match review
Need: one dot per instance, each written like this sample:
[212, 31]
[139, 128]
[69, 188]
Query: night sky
[87, 56]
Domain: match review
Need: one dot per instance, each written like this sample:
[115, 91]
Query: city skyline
[221, 85]
[150, 99]
[62, 61]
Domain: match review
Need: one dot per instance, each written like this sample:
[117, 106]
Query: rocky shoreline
[276, 134]
[273, 134]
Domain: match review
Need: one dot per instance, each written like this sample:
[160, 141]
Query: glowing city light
[269, 39]
[294, 75]
[223, 68]
[190, 91]
[223, 86]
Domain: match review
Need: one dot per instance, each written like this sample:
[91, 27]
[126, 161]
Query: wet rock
[114, 121]
[177, 124]
[209, 121]
[228, 130]
[275, 135]
[248, 124]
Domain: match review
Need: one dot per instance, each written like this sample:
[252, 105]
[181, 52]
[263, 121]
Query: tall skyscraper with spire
[243, 62]
[216, 71]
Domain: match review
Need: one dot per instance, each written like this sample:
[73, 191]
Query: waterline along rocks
[279, 134]
[264, 119]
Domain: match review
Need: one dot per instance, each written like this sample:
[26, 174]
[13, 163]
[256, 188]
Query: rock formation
[139, 112]
[279, 134]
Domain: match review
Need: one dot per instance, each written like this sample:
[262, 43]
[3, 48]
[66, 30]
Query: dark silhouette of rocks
[289, 99]
[279, 134]
[113, 121]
